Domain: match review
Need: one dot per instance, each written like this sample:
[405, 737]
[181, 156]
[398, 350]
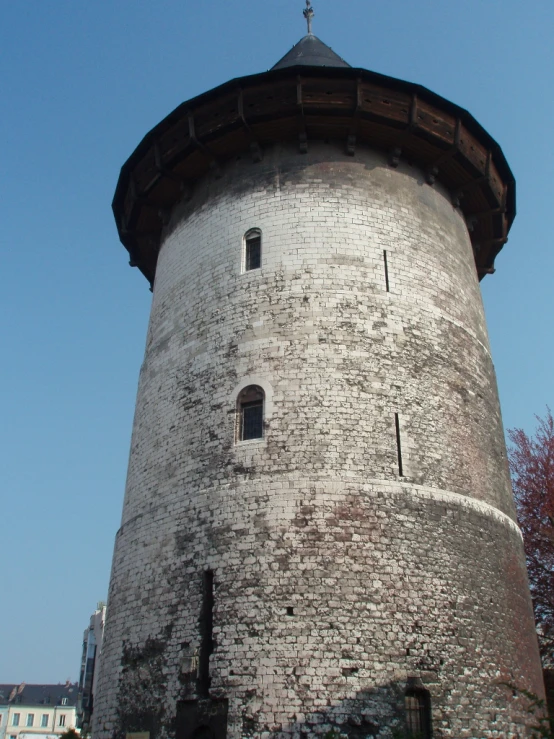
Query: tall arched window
[250, 413]
[252, 249]
[418, 713]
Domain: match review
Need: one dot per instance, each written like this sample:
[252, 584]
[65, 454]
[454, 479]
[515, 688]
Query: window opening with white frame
[250, 413]
[252, 249]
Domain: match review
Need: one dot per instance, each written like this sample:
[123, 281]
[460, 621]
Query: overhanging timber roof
[305, 103]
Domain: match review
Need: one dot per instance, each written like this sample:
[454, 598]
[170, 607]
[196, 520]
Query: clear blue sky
[80, 84]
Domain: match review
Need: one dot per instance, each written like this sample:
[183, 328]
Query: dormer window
[250, 413]
[252, 249]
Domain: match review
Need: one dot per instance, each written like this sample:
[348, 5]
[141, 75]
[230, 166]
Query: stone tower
[318, 535]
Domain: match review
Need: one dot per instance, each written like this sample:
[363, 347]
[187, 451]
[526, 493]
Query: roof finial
[308, 15]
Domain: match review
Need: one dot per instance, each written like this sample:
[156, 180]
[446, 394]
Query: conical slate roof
[311, 52]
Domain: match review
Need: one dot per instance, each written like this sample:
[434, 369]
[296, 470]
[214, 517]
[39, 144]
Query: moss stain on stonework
[142, 686]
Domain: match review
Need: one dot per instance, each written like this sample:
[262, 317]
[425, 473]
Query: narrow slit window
[386, 265]
[250, 413]
[418, 714]
[252, 250]
[398, 445]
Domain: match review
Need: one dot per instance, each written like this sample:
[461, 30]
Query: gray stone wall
[335, 578]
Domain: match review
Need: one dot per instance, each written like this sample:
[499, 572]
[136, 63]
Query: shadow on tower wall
[381, 712]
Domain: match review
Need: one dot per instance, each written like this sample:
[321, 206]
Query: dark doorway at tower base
[201, 719]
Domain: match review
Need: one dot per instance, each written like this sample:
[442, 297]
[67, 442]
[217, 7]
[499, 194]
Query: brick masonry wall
[336, 579]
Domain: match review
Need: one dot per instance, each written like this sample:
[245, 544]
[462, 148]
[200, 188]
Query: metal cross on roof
[308, 15]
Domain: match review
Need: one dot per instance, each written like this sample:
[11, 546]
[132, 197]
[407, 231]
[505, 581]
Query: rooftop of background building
[62, 694]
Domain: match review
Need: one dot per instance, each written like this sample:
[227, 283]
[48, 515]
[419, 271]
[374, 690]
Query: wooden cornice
[303, 104]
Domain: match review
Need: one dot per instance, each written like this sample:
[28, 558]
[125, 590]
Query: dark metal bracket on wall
[255, 148]
[352, 136]
[210, 156]
[302, 133]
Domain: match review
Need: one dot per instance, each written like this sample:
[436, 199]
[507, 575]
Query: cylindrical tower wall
[369, 538]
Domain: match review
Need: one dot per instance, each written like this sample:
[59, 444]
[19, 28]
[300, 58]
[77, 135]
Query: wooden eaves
[302, 104]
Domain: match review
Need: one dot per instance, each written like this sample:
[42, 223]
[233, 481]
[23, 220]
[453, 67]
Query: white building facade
[28, 711]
